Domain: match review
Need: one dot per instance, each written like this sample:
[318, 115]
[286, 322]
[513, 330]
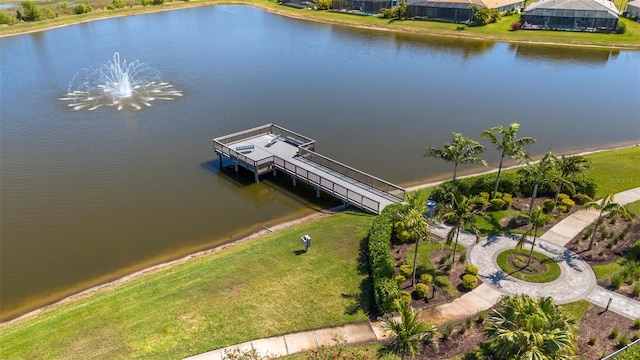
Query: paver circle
[576, 279]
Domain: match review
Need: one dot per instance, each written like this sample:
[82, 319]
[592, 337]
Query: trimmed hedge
[385, 287]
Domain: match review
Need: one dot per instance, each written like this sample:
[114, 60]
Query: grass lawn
[253, 290]
[499, 31]
[615, 171]
[634, 208]
[551, 273]
[491, 224]
[577, 309]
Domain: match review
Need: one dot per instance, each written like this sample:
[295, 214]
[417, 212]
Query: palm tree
[416, 224]
[508, 145]
[461, 150]
[530, 329]
[538, 218]
[541, 173]
[568, 166]
[409, 334]
[461, 215]
[606, 206]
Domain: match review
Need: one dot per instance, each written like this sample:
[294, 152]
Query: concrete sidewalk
[576, 282]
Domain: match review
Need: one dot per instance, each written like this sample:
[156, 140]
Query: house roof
[492, 4]
[634, 4]
[578, 7]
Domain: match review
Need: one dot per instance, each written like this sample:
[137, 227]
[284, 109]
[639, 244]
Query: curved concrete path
[577, 281]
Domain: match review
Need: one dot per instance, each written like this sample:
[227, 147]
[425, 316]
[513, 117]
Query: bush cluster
[471, 269]
[511, 183]
[422, 290]
[385, 287]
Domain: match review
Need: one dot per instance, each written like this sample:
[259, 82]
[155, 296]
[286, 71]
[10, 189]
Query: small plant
[636, 324]
[468, 321]
[566, 205]
[615, 332]
[497, 204]
[405, 296]
[592, 340]
[636, 290]
[463, 258]
[635, 336]
[617, 281]
[406, 270]
[471, 269]
[421, 290]
[426, 278]
[587, 233]
[469, 281]
[623, 341]
[400, 279]
[463, 329]
[548, 205]
[613, 220]
[482, 316]
[445, 333]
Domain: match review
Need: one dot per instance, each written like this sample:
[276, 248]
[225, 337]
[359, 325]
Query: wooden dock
[271, 148]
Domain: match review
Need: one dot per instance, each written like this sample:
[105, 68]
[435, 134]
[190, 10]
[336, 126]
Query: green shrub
[636, 324]
[621, 28]
[405, 297]
[617, 281]
[157, 2]
[592, 340]
[469, 281]
[567, 204]
[471, 269]
[548, 205]
[118, 4]
[636, 290]
[508, 200]
[562, 197]
[7, 19]
[82, 9]
[422, 290]
[584, 185]
[497, 204]
[323, 4]
[389, 13]
[498, 195]
[482, 316]
[400, 279]
[406, 270]
[386, 293]
[426, 278]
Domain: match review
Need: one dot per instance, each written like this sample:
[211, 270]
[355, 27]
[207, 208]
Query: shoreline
[252, 237]
[290, 14]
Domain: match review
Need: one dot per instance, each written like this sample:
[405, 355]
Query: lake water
[87, 197]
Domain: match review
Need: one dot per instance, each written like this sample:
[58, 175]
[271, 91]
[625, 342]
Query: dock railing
[357, 175]
[329, 186]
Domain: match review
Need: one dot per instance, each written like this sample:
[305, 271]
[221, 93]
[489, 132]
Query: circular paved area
[576, 281]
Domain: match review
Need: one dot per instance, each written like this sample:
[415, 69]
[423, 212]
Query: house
[633, 8]
[363, 6]
[455, 10]
[571, 15]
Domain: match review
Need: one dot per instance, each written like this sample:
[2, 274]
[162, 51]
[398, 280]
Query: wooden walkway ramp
[271, 148]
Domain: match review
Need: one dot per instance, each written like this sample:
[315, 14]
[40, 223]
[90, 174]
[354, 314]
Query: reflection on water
[91, 196]
[564, 54]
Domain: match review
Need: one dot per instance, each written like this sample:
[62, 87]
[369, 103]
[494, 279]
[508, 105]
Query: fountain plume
[119, 84]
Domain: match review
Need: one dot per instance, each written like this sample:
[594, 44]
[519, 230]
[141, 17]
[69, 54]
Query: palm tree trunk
[532, 246]
[455, 247]
[495, 187]
[415, 258]
[557, 193]
[595, 230]
[533, 197]
[453, 189]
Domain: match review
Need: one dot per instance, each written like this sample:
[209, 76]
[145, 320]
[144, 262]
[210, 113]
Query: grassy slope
[615, 171]
[499, 31]
[249, 291]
